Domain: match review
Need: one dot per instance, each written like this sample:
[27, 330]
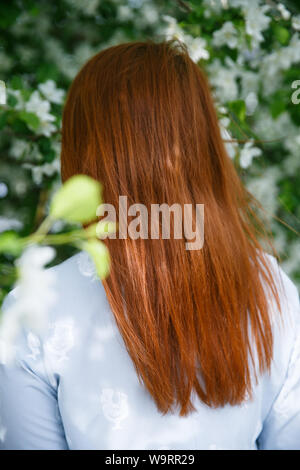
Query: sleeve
[281, 427]
[29, 411]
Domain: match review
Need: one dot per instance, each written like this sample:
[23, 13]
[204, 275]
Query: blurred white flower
[265, 189]
[46, 129]
[251, 101]
[86, 266]
[89, 7]
[285, 13]
[3, 190]
[227, 36]
[125, 13]
[247, 154]
[51, 92]
[61, 340]
[196, 48]
[293, 262]
[9, 224]
[256, 21]
[231, 147]
[114, 405]
[34, 345]
[19, 148]
[224, 81]
[2, 92]
[148, 13]
[249, 82]
[296, 22]
[40, 107]
[173, 30]
[18, 96]
[39, 171]
[33, 296]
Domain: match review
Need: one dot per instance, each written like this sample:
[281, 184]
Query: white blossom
[285, 13]
[247, 154]
[251, 102]
[125, 13]
[227, 35]
[197, 48]
[40, 107]
[9, 224]
[39, 171]
[51, 92]
[3, 190]
[296, 22]
[224, 81]
[256, 21]
[19, 148]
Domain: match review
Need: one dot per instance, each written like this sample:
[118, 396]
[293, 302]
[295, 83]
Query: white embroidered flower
[227, 36]
[247, 154]
[86, 266]
[266, 189]
[61, 341]
[101, 336]
[114, 406]
[3, 430]
[51, 92]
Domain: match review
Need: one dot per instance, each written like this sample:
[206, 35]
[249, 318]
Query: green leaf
[30, 119]
[100, 255]
[77, 200]
[16, 82]
[238, 107]
[3, 119]
[11, 243]
[282, 34]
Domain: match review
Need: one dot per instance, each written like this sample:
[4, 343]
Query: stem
[44, 227]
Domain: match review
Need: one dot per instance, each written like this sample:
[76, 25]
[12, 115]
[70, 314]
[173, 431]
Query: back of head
[140, 118]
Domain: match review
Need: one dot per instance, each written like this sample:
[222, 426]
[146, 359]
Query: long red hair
[140, 118]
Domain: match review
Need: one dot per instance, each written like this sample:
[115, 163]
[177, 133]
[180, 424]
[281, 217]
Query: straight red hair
[140, 118]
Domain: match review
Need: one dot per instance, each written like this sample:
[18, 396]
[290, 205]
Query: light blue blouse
[75, 387]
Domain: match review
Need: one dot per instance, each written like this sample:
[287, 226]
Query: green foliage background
[251, 72]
